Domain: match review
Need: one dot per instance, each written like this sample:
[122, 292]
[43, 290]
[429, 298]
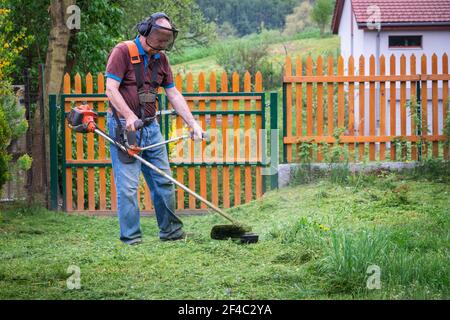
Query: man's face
[159, 39]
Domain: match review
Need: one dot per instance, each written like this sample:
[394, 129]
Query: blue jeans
[162, 191]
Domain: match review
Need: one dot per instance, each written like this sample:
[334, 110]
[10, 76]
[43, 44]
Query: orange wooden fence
[227, 171]
[318, 99]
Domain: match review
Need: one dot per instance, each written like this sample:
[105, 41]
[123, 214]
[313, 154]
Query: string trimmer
[82, 119]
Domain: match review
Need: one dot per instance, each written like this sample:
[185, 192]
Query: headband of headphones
[145, 26]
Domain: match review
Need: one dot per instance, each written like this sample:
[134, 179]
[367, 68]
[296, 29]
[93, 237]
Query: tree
[321, 13]
[247, 16]
[226, 30]
[298, 20]
[100, 30]
[58, 43]
[62, 50]
[185, 14]
[103, 24]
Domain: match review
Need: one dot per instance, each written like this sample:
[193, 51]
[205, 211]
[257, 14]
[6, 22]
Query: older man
[134, 71]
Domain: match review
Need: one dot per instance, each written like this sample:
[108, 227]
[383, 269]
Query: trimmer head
[249, 237]
[234, 232]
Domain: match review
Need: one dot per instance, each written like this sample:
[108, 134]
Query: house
[388, 27]
[394, 27]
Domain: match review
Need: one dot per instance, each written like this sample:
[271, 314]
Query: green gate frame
[163, 121]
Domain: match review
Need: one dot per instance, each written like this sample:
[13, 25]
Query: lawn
[317, 241]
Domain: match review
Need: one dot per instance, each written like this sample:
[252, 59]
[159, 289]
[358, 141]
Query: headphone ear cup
[143, 27]
[140, 28]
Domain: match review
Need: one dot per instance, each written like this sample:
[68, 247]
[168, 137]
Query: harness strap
[136, 61]
[144, 97]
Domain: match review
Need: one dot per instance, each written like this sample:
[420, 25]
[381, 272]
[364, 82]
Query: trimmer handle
[205, 136]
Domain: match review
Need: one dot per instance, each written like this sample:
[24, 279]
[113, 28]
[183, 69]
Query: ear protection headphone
[145, 26]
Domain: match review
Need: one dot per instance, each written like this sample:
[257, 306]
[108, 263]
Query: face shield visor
[161, 38]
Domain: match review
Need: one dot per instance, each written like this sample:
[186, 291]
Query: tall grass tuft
[345, 264]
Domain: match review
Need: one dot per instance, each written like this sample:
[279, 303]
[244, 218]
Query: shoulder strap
[137, 64]
[134, 52]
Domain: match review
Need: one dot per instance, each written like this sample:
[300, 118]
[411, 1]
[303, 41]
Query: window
[405, 41]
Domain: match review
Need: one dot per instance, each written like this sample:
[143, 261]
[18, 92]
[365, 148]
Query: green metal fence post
[263, 140]
[63, 151]
[274, 150]
[53, 153]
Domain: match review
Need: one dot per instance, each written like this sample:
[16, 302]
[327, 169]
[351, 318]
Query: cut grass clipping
[319, 241]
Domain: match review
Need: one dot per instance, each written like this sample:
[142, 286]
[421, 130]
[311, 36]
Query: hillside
[311, 46]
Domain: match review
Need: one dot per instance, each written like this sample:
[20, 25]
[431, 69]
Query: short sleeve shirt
[120, 68]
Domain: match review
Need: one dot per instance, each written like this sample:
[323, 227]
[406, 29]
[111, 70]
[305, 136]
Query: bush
[12, 124]
[250, 54]
[5, 136]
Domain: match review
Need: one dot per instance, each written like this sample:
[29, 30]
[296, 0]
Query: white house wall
[365, 42]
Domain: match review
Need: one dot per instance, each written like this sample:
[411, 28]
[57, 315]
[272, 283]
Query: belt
[147, 121]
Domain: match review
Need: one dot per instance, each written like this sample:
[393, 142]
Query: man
[156, 34]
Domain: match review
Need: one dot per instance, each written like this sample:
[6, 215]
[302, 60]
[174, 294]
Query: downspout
[377, 84]
[351, 30]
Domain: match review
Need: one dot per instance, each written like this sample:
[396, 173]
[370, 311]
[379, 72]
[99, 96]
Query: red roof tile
[397, 11]
[404, 10]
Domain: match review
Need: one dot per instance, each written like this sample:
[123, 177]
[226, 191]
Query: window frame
[406, 47]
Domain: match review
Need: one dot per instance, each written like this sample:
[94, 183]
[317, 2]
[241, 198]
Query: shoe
[134, 242]
[183, 236]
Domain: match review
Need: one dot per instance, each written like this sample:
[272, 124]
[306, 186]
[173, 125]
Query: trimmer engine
[82, 119]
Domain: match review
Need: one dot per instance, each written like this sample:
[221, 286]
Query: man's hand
[181, 107]
[197, 132]
[131, 119]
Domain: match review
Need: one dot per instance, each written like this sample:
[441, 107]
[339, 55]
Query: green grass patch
[317, 241]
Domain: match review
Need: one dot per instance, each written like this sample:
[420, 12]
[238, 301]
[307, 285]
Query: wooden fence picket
[90, 150]
[372, 108]
[413, 95]
[226, 169]
[351, 108]
[330, 96]
[370, 89]
[247, 140]
[403, 104]
[80, 155]
[319, 72]
[424, 102]
[214, 142]
[201, 107]
[393, 106]
[382, 98]
[68, 145]
[362, 99]
[236, 142]
[101, 145]
[298, 103]
[288, 72]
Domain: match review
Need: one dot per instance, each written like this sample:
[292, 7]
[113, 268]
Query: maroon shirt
[120, 68]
